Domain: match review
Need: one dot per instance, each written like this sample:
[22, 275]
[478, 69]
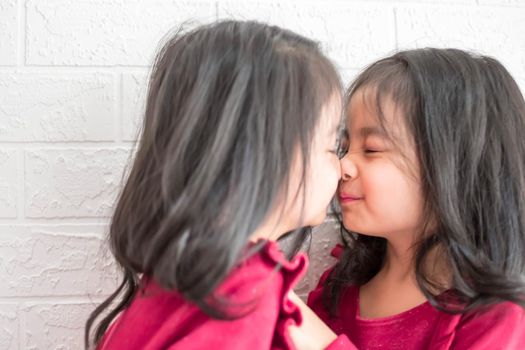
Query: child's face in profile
[323, 173]
[379, 192]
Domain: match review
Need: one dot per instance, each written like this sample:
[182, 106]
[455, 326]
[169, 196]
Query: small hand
[313, 333]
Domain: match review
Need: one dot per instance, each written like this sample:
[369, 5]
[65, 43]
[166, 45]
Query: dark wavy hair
[467, 117]
[228, 105]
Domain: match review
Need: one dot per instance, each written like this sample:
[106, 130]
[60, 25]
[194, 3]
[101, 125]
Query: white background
[72, 82]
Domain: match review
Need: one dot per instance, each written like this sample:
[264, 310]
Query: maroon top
[501, 326]
[161, 319]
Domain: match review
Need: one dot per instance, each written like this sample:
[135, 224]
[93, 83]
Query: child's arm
[313, 333]
[500, 327]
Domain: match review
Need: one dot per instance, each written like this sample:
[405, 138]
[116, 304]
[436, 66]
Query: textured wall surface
[72, 85]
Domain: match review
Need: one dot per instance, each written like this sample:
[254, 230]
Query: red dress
[161, 319]
[502, 326]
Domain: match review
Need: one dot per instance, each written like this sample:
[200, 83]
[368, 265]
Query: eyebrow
[371, 130]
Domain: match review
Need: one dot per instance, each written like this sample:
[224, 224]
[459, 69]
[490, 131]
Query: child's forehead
[369, 113]
[369, 98]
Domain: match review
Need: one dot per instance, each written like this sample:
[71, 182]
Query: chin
[317, 220]
[351, 226]
[364, 232]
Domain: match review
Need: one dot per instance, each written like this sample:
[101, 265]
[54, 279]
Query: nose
[348, 168]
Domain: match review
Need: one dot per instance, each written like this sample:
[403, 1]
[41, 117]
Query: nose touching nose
[348, 168]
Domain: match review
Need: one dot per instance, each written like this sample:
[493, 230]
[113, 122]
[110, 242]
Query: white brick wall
[53, 107]
[72, 84]
[8, 32]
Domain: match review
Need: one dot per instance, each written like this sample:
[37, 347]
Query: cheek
[324, 170]
[330, 175]
[322, 182]
[392, 195]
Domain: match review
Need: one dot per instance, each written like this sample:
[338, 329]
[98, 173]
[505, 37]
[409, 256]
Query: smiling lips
[348, 198]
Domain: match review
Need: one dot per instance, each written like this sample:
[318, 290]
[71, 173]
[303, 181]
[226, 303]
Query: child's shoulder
[504, 311]
[263, 271]
[254, 293]
[267, 268]
[501, 315]
[498, 326]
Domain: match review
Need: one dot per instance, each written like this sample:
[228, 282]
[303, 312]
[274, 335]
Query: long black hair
[466, 115]
[228, 106]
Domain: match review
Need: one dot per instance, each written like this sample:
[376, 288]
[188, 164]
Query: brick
[101, 32]
[55, 326]
[8, 32]
[9, 326]
[9, 174]
[73, 182]
[352, 35]
[42, 107]
[416, 2]
[502, 2]
[492, 31]
[45, 261]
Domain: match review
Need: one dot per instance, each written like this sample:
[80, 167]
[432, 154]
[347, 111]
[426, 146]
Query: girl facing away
[432, 202]
[238, 147]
